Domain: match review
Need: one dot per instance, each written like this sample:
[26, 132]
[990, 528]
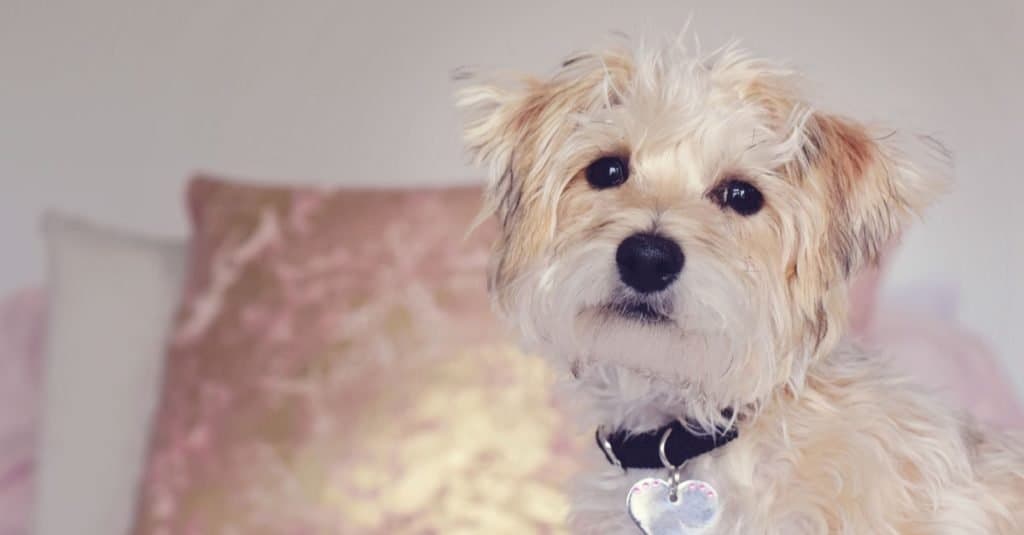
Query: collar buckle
[606, 447]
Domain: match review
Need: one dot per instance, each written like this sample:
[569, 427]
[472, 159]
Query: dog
[677, 235]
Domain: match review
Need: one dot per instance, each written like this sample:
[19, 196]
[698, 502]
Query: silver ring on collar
[661, 450]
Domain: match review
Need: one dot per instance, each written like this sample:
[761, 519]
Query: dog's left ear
[872, 184]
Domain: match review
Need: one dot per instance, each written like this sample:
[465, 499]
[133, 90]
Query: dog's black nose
[648, 262]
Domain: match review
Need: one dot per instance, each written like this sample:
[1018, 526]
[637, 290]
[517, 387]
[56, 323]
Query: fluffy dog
[677, 235]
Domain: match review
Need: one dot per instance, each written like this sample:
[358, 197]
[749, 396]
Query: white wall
[106, 106]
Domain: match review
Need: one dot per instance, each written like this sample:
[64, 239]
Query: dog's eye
[741, 196]
[607, 172]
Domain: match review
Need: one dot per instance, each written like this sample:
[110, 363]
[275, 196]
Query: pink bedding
[919, 330]
[22, 324]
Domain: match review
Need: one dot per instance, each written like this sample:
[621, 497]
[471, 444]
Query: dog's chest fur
[858, 451]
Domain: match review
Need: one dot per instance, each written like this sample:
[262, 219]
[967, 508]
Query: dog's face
[687, 220]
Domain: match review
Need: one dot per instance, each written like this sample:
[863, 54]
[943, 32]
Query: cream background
[106, 106]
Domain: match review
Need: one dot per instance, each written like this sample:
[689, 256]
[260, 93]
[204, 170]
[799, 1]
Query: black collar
[645, 450]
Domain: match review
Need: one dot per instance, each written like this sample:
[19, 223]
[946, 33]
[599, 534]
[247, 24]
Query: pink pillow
[335, 368]
[22, 327]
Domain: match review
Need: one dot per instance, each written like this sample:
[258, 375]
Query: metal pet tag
[659, 509]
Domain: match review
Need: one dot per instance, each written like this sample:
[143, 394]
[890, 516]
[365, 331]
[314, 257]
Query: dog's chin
[636, 335]
[632, 343]
[639, 356]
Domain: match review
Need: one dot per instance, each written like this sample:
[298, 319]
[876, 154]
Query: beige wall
[105, 106]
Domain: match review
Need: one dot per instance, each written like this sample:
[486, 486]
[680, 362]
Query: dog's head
[689, 220]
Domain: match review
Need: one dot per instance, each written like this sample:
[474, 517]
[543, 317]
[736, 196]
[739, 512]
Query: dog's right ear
[496, 123]
[515, 125]
[503, 120]
[516, 128]
[511, 130]
[490, 107]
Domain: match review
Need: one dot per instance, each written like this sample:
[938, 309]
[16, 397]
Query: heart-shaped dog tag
[658, 511]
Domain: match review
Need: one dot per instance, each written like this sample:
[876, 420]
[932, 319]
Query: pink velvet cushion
[22, 327]
[335, 369]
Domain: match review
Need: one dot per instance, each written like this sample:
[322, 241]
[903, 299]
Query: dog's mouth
[637, 310]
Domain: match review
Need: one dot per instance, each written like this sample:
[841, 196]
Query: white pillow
[112, 299]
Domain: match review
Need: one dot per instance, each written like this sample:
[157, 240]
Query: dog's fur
[830, 440]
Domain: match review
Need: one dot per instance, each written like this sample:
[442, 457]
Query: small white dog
[677, 234]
